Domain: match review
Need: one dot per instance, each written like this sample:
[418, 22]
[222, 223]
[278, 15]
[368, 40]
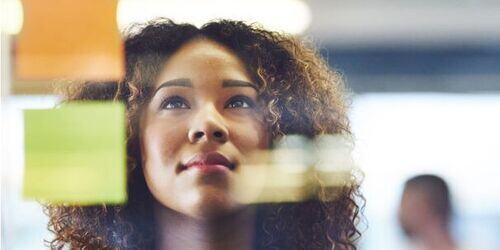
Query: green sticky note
[76, 154]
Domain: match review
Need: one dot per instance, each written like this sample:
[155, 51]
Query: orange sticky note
[71, 40]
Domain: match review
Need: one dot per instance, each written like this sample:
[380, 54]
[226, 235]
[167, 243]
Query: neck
[178, 231]
[437, 237]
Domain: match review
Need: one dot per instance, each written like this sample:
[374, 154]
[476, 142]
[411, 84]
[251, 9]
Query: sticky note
[76, 154]
[298, 169]
[64, 39]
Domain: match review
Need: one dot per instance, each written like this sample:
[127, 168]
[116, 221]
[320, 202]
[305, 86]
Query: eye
[240, 102]
[174, 102]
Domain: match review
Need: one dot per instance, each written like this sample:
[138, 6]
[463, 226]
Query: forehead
[203, 59]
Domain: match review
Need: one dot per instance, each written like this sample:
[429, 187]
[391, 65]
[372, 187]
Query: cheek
[160, 142]
[250, 136]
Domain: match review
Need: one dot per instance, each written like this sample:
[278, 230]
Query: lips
[209, 161]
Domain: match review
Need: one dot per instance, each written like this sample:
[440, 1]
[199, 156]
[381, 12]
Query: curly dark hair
[301, 95]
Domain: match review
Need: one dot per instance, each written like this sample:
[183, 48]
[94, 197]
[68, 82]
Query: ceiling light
[292, 16]
[12, 16]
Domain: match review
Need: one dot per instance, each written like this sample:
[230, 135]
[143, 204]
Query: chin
[213, 203]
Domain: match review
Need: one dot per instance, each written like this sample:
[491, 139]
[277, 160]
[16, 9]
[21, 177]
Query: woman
[199, 103]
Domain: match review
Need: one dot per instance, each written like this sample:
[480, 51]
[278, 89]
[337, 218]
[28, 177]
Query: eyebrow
[238, 83]
[181, 82]
[185, 82]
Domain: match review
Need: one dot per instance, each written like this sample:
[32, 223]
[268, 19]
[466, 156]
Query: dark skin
[204, 102]
[422, 224]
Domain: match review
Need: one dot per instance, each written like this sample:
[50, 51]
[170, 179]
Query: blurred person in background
[425, 213]
[198, 102]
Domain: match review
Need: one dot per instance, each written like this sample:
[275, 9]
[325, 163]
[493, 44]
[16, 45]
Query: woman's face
[201, 124]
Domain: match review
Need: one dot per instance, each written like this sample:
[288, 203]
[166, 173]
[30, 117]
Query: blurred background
[425, 81]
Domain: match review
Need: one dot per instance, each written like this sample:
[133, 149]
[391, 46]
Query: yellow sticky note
[76, 154]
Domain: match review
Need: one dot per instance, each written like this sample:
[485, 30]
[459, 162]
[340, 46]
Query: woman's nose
[208, 126]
